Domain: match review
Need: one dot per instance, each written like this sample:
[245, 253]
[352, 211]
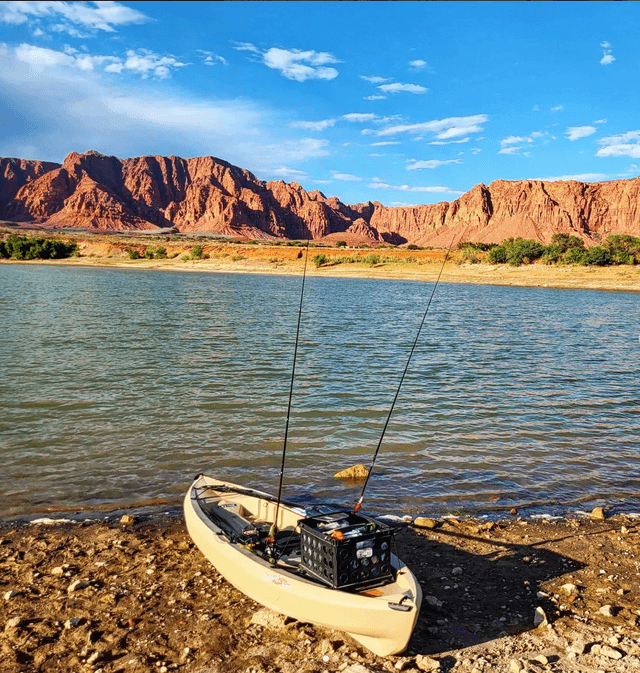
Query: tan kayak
[228, 522]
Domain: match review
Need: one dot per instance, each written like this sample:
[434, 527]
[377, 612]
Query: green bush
[413, 246]
[623, 248]
[497, 255]
[196, 252]
[341, 244]
[133, 253]
[161, 253]
[597, 255]
[26, 247]
[372, 259]
[319, 260]
[148, 253]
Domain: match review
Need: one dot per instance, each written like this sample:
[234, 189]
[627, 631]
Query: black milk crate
[361, 559]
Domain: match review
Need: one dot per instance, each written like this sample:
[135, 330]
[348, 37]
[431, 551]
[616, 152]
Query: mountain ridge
[92, 190]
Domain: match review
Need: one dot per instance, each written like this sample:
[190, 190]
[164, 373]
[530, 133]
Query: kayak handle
[400, 605]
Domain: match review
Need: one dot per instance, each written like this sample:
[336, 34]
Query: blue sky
[403, 103]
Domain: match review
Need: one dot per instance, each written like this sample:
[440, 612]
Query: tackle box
[346, 551]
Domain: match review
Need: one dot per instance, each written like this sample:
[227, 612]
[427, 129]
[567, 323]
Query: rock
[597, 514]
[73, 622]
[513, 511]
[14, 623]
[77, 585]
[578, 646]
[269, 619]
[539, 617]
[127, 520]
[208, 194]
[610, 652]
[432, 602]
[357, 668]
[10, 594]
[424, 522]
[569, 588]
[427, 664]
[402, 664]
[457, 571]
[58, 570]
[516, 666]
[608, 611]
[354, 473]
[541, 659]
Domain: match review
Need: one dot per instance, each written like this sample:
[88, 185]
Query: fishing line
[358, 505]
[274, 528]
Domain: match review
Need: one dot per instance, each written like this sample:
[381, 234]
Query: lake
[118, 386]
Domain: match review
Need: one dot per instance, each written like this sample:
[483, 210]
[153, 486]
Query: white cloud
[142, 61]
[607, 55]
[475, 150]
[347, 177]
[418, 64]
[514, 140]
[445, 129]
[246, 46]
[376, 183]
[577, 132]
[621, 145]
[397, 87]
[580, 177]
[94, 16]
[314, 126]
[447, 142]
[286, 173]
[414, 164]
[557, 108]
[374, 79]
[300, 65]
[510, 150]
[374, 97]
[600, 121]
[385, 142]
[209, 58]
[359, 117]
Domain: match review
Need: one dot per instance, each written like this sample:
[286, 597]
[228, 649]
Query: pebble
[515, 666]
[14, 623]
[569, 588]
[403, 663]
[127, 520]
[607, 611]
[539, 617]
[610, 652]
[73, 622]
[541, 659]
[10, 594]
[77, 586]
[433, 602]
[269, 619]
[457, 571]
[427, 664]
[597, 514]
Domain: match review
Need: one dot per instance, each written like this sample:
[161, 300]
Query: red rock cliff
[208, 194]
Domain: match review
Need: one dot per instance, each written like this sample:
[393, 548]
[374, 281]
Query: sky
[399, 102]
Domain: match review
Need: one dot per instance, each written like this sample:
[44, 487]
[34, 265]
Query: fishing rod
[358, 505]
[273, 531]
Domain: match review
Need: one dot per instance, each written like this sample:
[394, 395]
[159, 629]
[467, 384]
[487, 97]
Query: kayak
[285, 568]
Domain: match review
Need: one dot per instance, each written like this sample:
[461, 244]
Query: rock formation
[210, 195]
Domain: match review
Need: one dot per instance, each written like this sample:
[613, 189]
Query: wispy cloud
[513, 149]
[358, 117]
[374, 97]
[209, 58]
[141, 61]
[580, 177]
[93, 17]
[287, 173]
[557, 108]
[314, 126]
[374, 79]
[444, 129]
[384, 143]
[607, 54]
[621, 145]
[347, 177]
[600, 121]
[514, 140]
[418, 64]
[459, 141]
[577, 132]
[295, 64]
[414, 164]
[377, 183]
[397, 87]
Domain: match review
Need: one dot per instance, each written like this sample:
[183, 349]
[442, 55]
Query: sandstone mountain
[206, 194]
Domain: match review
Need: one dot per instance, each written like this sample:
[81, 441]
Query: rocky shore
[135, 595]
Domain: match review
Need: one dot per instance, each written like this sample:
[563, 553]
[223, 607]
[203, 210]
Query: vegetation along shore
[565, 263]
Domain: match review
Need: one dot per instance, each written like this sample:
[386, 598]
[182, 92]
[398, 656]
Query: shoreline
[616, 279]
[136, 595]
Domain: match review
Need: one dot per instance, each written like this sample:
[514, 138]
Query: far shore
[394, 264]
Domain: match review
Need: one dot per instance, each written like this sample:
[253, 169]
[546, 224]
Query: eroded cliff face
[208, 194]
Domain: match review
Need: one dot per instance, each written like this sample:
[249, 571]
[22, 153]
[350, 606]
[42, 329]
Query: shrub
[161, 253]
[564, 242]
[319, 259]
[133, 253]
[597, 255]
[497, 255]
[25, 247]
[413, 246]
[148, 253]
[372, 259]
[623, 248]
[196, 252]
[341, 244]
[237, 257]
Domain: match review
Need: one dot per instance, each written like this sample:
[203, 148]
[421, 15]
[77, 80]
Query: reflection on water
[119, 386]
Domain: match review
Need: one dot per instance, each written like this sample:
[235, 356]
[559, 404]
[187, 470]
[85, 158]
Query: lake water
[118, 386]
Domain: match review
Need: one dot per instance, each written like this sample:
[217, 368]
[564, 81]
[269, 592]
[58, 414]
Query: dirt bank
[101, 596]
